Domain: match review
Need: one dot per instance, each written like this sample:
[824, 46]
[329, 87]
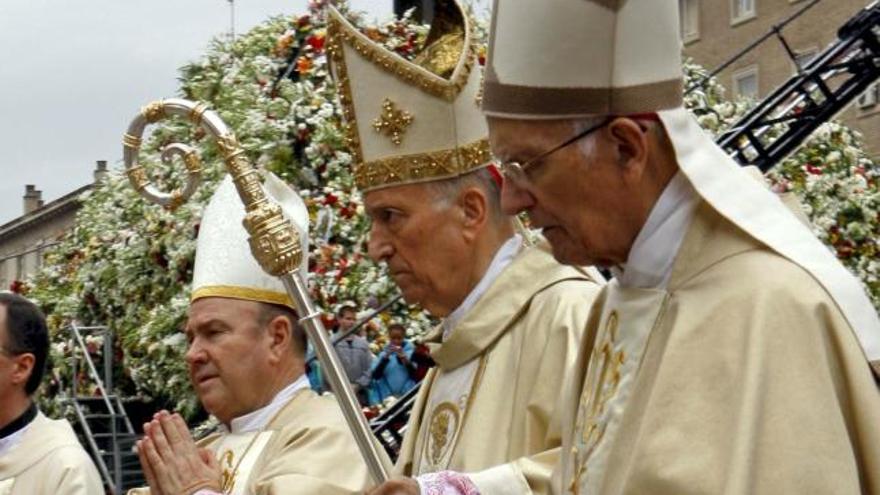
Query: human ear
[630, 145]
[24, 367]
[474, 211]
[281, 334]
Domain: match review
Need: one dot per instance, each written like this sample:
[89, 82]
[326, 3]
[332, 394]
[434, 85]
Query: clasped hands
[172, 462]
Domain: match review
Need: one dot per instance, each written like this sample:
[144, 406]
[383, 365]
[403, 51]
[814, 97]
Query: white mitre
[410, 121]
[556, 59]
[224, 265]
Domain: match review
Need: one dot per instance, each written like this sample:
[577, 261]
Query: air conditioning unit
[868, 98]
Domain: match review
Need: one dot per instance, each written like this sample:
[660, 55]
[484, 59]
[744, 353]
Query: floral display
[127, 264]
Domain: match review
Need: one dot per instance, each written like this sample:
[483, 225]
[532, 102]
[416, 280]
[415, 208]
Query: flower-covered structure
[127, 264]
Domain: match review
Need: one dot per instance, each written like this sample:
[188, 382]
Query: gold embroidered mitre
[410, 121]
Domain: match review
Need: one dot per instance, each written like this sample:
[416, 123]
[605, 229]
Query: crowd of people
[380, 365]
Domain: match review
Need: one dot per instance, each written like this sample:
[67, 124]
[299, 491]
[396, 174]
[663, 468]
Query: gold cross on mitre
[392, 122]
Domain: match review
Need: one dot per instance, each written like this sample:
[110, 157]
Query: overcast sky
[74, 72]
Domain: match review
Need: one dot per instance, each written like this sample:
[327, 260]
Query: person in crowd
[38, 455]
[393, 369]
[354, 352]
[488, 416]
[246, 359]
[733, 353]
[313, 371]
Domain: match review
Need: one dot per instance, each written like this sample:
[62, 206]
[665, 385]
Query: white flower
[833, 157]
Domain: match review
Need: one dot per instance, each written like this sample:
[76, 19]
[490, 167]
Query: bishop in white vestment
[488, 417]
[731, 353]
[246, 359]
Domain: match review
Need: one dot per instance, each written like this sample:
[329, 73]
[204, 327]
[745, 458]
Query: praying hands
[172, 463]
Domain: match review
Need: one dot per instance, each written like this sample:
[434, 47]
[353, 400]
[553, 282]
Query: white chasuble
[492, 407]
[237, 453]
[628, 316]
[48, 459]
[451, 394]
[750, 381]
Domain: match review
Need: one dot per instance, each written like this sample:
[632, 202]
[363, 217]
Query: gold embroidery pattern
[343, 89]
[412, 167]
[405, 70]
[603, 379]
[228, 471]
[422, 166]
[465, 402]
[444, 426]
[392, 122]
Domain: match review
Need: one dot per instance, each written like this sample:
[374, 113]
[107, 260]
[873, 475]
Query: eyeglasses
[516, 171]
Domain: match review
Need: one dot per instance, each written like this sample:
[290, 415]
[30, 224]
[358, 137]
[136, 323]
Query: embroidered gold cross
[392, 122]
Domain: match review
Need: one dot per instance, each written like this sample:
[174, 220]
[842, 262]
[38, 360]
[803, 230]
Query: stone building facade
[715, 30]
[24, 239]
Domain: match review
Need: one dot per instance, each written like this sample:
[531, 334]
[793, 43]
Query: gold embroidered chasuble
[305, 449]
[491, 407]
[741, 377]
[48, 460]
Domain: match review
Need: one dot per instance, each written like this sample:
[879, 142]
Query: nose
[195, 354]
[378, 246]
[515, 198]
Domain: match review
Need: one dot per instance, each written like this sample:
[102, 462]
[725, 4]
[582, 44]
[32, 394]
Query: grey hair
[587, 145]
[447, 190]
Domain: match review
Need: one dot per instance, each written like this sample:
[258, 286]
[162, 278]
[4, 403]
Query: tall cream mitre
[224, 265]
[572, 58]
[410, 121]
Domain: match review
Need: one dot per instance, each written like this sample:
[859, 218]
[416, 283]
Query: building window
[745, 83]
[689, 14]
[741, 10]
[868, 99]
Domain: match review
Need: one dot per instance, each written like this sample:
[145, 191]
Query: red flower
[813, 169]
[330, 199]
[316, 41]
[18, 287]
[303, 21]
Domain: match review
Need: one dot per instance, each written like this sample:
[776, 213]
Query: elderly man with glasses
[38, 455]
[732, 352]
[488, 416]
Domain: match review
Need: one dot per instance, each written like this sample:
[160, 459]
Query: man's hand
[173, 464]
[403, 486]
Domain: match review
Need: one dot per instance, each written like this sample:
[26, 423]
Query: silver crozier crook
[273, 239]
